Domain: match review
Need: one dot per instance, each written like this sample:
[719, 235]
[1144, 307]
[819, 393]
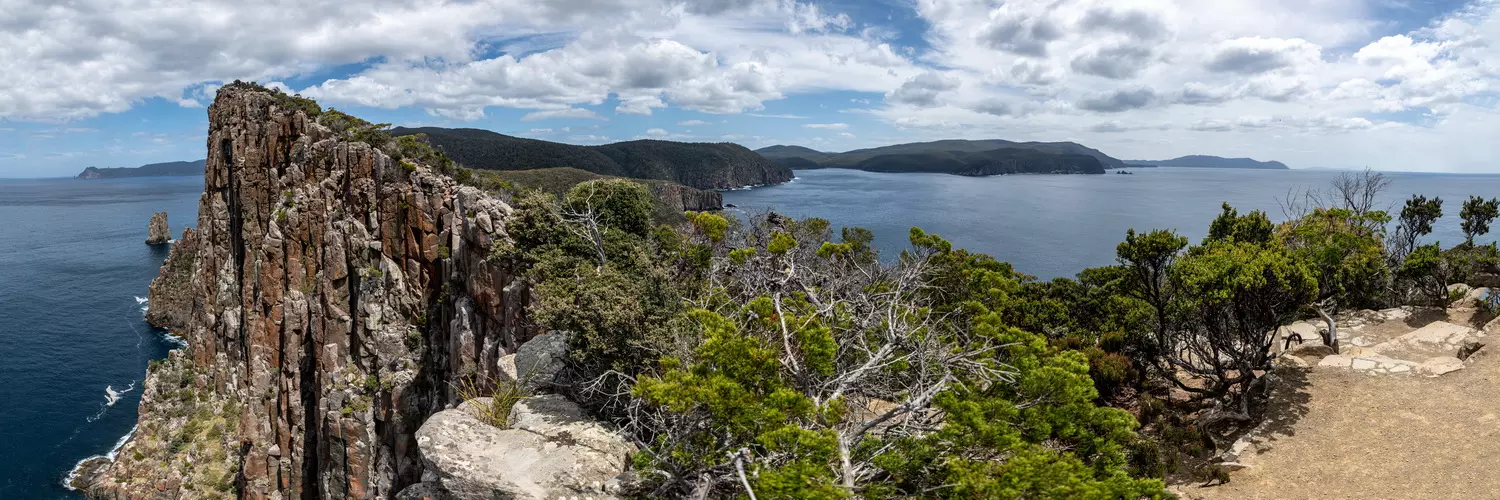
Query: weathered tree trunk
[1330, 337]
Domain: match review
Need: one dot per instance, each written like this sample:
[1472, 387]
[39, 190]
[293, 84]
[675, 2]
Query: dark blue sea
[1057, 225]
[73, 271]
[74, 268]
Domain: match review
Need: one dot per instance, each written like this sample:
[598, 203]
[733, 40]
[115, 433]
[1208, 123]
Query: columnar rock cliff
[328, 297]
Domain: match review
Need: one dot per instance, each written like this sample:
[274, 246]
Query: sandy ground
[1346, 434]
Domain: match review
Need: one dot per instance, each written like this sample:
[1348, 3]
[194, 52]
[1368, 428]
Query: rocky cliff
[328, 297]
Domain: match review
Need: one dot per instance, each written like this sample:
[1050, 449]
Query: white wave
[145, 304]
[165, 335]
[112, 396]
[141, 300]
[114, 451]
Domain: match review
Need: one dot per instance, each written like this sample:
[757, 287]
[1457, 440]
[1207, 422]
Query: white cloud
[656, 132]
[1176, 77]
[576, 113]
[827, 126]
[1255, 55]
[717, 56]
[923, 90]
[783, 116]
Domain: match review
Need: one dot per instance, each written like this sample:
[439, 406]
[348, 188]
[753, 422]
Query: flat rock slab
[1440, 365]
[1438, 332]
[1367, 361]
[550, 451]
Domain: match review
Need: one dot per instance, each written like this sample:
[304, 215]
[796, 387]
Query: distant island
[695, 165]
[1202, 161]
[959, 157]
[153, 170]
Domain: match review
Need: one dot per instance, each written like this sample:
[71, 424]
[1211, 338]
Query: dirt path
[1348, 434]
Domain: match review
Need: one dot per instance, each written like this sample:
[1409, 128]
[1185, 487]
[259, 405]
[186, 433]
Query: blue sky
[1390, 84]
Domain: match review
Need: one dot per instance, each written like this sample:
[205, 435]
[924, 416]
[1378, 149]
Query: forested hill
[1202, 161]
[152, 170]
[962, 157]
[698, 165]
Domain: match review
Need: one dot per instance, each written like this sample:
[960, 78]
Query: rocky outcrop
[548, 450]
[329, 297]
[678, 198]
[157, 231]
[538, 362]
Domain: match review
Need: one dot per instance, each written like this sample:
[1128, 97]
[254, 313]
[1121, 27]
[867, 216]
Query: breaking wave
[112, 396]
[73, 474]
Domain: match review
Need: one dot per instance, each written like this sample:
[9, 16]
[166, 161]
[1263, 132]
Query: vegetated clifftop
[152, 170]
[328, 298]
[1202, 161]
[962, 157]
[696, 165]
[671, 198]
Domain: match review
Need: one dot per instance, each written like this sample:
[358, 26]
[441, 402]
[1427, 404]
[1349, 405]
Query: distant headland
[152, 170]
[1202, 161]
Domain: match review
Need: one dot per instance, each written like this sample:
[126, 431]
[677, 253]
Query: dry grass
[502, 396]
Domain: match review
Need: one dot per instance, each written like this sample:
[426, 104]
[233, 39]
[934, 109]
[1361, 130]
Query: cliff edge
[328, 297]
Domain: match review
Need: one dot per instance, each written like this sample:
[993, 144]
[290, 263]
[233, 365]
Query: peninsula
[956, 156]
[172, 168]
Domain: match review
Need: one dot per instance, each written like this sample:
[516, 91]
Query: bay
[1057, 225]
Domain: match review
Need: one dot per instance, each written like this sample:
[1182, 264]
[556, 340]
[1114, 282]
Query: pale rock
[1364, 364]
[1336, 361]
[551, 451]
[1439, 332]
[1440, 365]
[507, 368]
[1395, 313]
[483, 219]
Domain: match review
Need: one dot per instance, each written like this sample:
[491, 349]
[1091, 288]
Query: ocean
[73, 343]
[74, 268]
[1053, 226]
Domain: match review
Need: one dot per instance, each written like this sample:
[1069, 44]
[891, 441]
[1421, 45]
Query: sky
[1407, 85]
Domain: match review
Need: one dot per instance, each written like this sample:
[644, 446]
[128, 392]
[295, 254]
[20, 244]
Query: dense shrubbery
[773, 348]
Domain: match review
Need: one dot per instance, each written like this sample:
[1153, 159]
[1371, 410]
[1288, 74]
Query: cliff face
[327, 298]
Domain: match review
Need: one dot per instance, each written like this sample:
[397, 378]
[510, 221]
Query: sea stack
[158, 232]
